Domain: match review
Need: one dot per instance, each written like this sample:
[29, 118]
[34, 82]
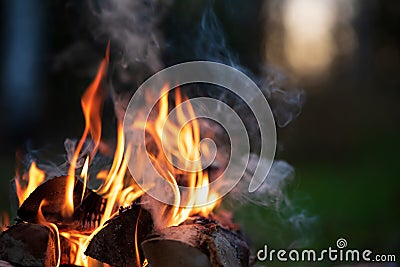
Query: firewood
[5, 264]
[86, 215]
[114, 244]
[27, 244]
[196, 242]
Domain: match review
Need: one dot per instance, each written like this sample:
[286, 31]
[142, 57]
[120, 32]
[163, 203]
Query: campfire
[64, 221]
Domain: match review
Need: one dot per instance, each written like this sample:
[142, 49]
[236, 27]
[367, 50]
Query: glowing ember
[77, 241]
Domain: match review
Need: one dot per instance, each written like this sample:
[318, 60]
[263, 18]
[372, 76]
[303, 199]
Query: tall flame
[186, 129]
[113, 187]
[92, 102]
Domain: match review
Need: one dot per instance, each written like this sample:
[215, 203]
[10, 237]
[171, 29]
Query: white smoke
[133, 28]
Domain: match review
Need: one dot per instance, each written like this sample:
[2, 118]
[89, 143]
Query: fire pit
[63, 222]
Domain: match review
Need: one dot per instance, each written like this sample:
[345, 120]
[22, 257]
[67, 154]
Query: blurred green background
[344, 146]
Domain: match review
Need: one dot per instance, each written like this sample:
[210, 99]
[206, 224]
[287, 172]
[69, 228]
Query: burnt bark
[196, 242]
[115, 243]
[87, 214]
[27, 244]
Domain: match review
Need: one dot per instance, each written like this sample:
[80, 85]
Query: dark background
[344, 145]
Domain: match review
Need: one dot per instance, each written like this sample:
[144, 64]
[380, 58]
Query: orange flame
[92, 102]
[113, 187]
[77, 249]
[197, 199]
[4, 221]
[53, 229]
[31, 180]
[187, 129]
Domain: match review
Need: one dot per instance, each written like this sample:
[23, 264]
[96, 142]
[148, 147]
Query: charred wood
[87, 214]
[196, 242]
[115, 243]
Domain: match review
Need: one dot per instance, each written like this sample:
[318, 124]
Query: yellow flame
[113, 186]
[32, 180]
[187, 129]
[84, 176]
[92, 101]
[119, 191]
[77, 249]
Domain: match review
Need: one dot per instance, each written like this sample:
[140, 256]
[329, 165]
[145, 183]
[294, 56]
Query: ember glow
[77, 241]
[113, 187]
[4, 220]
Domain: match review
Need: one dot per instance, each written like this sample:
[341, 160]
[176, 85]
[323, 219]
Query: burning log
[28, 244]
[87, 213]
[117, 242]
[196, 242]
[126, 240]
